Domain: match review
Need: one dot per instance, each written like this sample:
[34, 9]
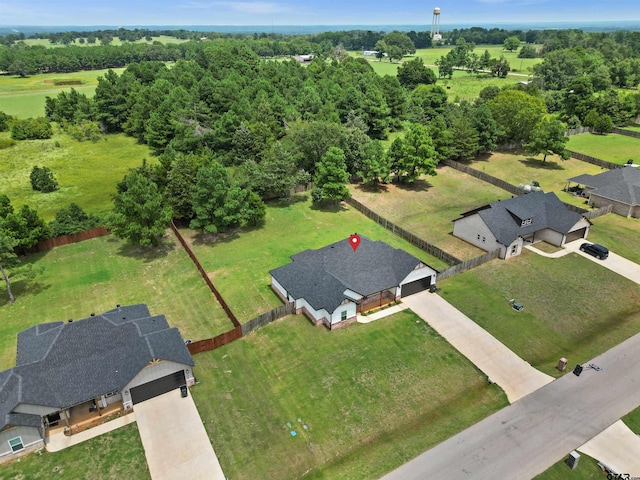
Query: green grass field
[611, 147]
[633, 128]
[116, 41]
[373, 396]
[240, 261]
[25, 97]
[587, 469]
[519, 168]
[95, 275]
[87, 172]
[574, 308]
[118, 454]
[618, 233]
[429, 208]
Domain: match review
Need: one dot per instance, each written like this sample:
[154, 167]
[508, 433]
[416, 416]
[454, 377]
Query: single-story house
[619, 187]
[66, 371]
[334, 283]
[510, 224]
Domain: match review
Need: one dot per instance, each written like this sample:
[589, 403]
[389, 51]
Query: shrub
[31, 129]
[4, 122]
[42, 180]
[85, 130]
[6, 143]
[72, 220]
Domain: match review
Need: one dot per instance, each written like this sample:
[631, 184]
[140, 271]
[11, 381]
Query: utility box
[572, 460]
[562, 364]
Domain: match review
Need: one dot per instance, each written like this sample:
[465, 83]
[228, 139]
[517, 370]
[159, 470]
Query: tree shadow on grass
[148, 254]
[419, 185]
[539, 164]
[329, 206]
[21, 289]
[367, 187]
[287, 201]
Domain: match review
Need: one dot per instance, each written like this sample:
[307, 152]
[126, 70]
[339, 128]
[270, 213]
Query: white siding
[280, 288]
[550, 236]
[350, 308]
[317, 314]
[420, 272]
[29, 436]
[470, 228]
[352, 294]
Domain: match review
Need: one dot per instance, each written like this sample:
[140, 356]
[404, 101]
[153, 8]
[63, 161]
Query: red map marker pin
[354, 241]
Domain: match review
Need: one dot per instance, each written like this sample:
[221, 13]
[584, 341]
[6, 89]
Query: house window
[343, 316]
[484, 239]
[514, 249]
[478, 236]
[525, 222]
[16, 444]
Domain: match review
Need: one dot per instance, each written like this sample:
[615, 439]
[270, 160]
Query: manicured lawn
[611, 147]
[620, 234]
[574, 308]
[429, 208]
[118, 454]
[587, 469]
[239, 262]
[87, 172]
[372, 396]
[25, 97]
[519, 168]
[95, 275]
[633, 128]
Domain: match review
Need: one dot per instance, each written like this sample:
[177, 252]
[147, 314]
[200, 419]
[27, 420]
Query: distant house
[370, 53]
[511, 224]
[67, 371]
[334, 283]
[619, 187]
[303, 58]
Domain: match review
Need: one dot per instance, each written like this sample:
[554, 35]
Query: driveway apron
[175, 441]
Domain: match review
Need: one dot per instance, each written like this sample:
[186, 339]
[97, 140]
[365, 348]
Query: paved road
[175, 442]
[618, 264]
[515, 376]
[524, 439]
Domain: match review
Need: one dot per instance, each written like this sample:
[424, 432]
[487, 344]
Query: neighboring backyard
[239, 261]
[87, 172]
[611, 147]
[574, 308]
[118, 454]
[430, 206]
[372, 397]
[95, 275]
[518, 168]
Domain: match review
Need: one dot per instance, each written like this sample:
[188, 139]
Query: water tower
[435, 25]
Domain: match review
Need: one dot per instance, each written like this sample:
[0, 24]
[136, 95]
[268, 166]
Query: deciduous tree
[547, 138]
[331, 177]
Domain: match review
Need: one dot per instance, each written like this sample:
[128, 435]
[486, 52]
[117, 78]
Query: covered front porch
[82, 417]
[377, 300]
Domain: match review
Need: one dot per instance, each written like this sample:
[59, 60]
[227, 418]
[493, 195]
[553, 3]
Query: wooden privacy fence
[69, 239]
[401, 232]
[598, 212]
[467, 265]
[268, 317]
[628, 133]
[515, 190]
[215, 342]
[577, 131]
[593, 160]
[206, 278]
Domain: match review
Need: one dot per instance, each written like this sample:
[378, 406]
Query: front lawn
[430, 206]
[117, 454]
[574, 308]
[519, 168]
[372, 397]
[95, 275]
[239, 261]
[587, 469]
[87, 172]
[611, 147]
[619, 234]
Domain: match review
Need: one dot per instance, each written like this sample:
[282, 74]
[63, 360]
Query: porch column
[65, 417]
[97, 400]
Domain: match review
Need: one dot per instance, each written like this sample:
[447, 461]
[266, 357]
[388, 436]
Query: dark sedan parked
[596, 250]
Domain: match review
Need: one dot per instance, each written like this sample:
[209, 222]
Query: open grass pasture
[611, 147]
[429, 208]
[573, 307]
[118, 454]
[520, 168]
[45, 42]
[372, 396]
[239, 261]
[519, 65]
[87, 172]
[25, 97]
[95, 275]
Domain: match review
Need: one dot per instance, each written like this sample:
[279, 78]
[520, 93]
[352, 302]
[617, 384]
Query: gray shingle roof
[64, 364]
[504, 218]
[621, 184]
[321, 276]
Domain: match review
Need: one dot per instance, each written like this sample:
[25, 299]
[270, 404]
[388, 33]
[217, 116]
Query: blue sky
[308, 12]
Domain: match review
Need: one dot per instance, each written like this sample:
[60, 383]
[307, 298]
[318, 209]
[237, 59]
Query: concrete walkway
[381, 314]
[175, 441]
[558, 254]
[59, 441]
[515, 376]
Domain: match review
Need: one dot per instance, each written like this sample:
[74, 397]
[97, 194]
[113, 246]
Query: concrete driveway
[616, 263]
[175, 442]
[515, 376]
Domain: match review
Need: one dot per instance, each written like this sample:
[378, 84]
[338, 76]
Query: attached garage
[415, 286]
[158, 387]
[576, 235]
